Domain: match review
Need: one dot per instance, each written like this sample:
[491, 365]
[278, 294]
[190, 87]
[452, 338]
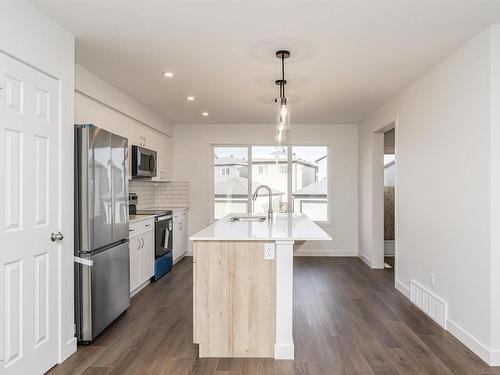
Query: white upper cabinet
[162, 144]
[89, 111]
[141, 135]
[167, 158]
[134, 132]
[148, 135]
[156, 145]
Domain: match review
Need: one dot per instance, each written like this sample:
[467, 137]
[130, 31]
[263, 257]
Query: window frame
[290, 146]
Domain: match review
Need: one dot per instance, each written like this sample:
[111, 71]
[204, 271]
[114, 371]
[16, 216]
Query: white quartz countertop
[291, 227]
[174, 209]
[133, 218]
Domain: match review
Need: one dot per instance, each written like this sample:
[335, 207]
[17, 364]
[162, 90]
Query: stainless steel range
[163, 235]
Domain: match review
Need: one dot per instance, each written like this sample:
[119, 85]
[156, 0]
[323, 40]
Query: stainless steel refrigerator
[102, 277]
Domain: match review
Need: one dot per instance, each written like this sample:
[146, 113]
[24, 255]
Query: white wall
[107, 95]
[50, 49]
[495, 195]
[443, 186]
[192, 161]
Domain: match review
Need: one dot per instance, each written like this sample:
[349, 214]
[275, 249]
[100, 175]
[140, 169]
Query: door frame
[377, 222]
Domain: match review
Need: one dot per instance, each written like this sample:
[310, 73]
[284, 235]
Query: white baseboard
[176, 260]
[405, 290]
[284, 351]
[491, 357]
[140, 287]
[481, 350]
[494, 358]
[325, 253]
[67, 349]
[365, 259]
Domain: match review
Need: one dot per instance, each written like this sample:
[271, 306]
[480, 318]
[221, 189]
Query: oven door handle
[163, 218]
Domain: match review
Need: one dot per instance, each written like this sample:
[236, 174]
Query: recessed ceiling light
[168, 74]
[190, 98]
[204, 114]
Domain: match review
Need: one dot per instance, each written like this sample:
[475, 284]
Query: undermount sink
[257, 219]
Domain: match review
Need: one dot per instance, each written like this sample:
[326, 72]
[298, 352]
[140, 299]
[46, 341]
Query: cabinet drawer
[140, 226]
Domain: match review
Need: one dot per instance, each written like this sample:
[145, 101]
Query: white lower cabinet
[142, 256]
[147, 259]
[134, 247]
[180, 245]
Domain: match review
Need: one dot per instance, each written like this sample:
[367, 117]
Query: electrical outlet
[433, 279]
[269, 251]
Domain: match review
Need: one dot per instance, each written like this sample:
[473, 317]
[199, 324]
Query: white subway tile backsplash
[152, 194]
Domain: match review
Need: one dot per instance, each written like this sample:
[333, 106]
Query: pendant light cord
[283, 74]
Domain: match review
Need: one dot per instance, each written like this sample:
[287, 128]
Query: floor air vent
[429, 303]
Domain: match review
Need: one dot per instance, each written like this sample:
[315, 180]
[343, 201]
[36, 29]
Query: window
[266, 163]
[297, 176]
[230, 192]
[310, 182]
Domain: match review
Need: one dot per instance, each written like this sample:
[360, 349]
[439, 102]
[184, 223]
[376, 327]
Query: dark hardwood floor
[348, 319]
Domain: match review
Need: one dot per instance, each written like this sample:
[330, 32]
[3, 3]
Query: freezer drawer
[104, 290]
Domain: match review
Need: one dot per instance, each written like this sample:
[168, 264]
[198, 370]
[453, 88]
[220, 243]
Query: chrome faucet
[256, 194]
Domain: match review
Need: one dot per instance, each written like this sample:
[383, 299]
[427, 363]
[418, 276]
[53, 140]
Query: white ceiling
[347, 56]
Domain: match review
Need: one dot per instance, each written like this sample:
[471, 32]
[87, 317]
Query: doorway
[384, 224]
[389, 197]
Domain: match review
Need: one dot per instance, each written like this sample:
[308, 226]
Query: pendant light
[283, 109]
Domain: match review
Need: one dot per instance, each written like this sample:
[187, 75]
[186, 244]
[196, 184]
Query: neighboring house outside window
[270, 166]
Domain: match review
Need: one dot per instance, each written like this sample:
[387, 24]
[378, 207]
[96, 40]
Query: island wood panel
[234, 299]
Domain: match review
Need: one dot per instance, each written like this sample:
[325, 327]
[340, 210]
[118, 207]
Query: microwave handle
[152, 168]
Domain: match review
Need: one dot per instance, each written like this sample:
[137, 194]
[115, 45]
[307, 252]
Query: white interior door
[29, 212]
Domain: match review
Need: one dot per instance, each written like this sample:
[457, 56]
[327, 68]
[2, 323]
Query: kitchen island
[243, 284]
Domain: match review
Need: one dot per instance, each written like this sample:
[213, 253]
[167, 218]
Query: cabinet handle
[139, 241]
[142, 246]
[147, 225]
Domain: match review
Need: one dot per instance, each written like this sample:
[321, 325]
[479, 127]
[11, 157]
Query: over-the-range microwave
[143, 162]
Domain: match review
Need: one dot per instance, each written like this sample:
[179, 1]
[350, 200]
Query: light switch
[269, 251]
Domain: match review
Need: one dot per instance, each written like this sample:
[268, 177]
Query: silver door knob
[56, 236]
